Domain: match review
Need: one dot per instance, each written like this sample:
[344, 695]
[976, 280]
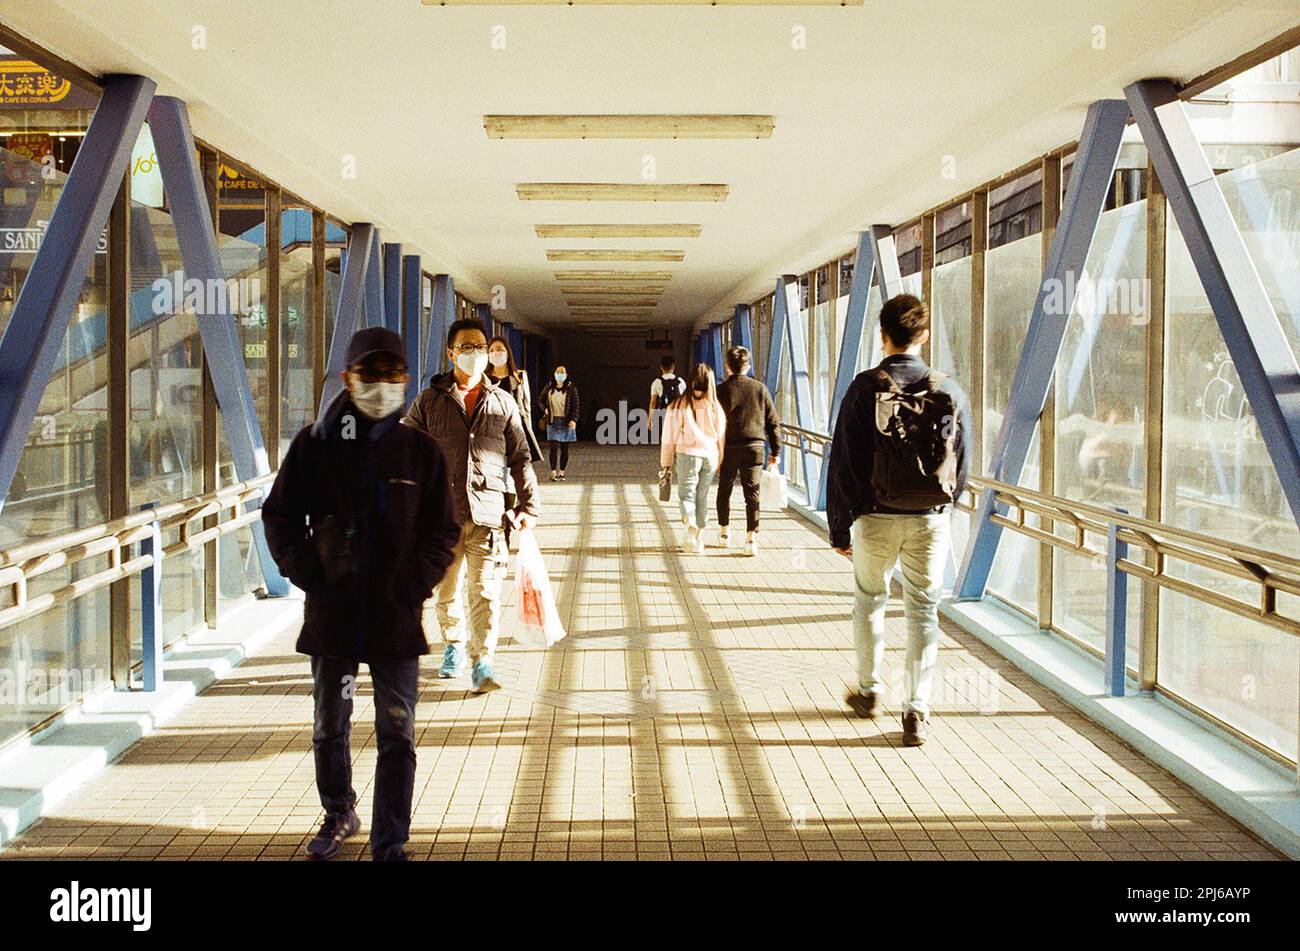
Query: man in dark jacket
[877, 536]
[752, 426]
[360, 519]
[481, 433]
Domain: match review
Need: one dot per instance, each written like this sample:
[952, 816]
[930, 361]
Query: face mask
[497, 358]
[472, 364]
[378, 400]
[561, 377]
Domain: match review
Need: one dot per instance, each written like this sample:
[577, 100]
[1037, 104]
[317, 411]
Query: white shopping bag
[537, 621]
[773, 494]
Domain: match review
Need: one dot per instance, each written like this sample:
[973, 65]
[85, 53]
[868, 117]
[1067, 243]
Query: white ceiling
[865, 114]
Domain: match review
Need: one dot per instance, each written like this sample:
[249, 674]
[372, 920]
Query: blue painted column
[44, 307]
[222, 348]
[374, 296]
[1116, 612]
[347, 316]
[1246, 317]
[1090, 178]
[742, 333]
[787, 300]
[392, 287]
[411, 287]
[442, 317]
[715, 351]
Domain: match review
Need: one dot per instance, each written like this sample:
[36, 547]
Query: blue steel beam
[874, 245]
[442, 317]
[1090, 179]
[484, 313]
[715, 350]
[410, 328]
[40, 316]
[374, 313]
[787, 298]
[393, 287]
[742, 334]
[223, 349]
[347, 316]
[1247, 319]
[775, 344]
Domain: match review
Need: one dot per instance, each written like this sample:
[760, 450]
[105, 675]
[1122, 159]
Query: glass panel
[1012, 276]
[823, 368]
[1220, 480]
[297, 358]
[51, 661]
[1100, 411]
[950, 319]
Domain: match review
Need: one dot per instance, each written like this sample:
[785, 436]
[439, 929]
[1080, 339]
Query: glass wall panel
[297, 358]
[51, 661]
[951, 327]
[1100, 401]
[1220, 480]
[1012, 276]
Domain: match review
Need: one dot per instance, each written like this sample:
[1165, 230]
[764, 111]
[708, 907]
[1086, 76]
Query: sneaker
[863, 704]
[453, 661]
[751, 545]
[916, 728]
[562, 478]
[392, 855]
[483, 677]
[697, 542]
[687, 542]
[724, 538]
[555, 476]
[328, 842]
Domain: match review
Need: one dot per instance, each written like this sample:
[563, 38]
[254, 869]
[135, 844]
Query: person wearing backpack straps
[667, 386]
[898, 459]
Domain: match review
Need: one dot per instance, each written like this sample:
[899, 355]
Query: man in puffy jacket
[361, 520]
[481, 433]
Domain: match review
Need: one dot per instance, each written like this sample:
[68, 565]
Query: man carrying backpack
[665, 388]
[899, 458]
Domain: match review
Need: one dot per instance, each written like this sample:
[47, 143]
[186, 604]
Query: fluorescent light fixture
[612, 302]
[629, 127]
[642, 3]
[612, 275]
[618, 191]
[607, 290]
[613, 254]
[617, 231]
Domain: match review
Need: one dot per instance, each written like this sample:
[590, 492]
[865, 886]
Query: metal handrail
[23, 563]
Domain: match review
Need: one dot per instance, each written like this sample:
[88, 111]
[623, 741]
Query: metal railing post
[151, 621]
[1116, 611]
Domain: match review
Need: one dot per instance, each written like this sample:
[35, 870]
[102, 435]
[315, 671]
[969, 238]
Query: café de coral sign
[24, 83]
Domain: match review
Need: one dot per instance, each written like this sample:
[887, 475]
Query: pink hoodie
[699, 429]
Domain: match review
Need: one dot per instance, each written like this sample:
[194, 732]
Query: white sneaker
[751, 545]
[697, 545]
[724, 539]
[687, 543]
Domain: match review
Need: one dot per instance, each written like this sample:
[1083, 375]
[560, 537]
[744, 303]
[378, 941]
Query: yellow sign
[23, 83]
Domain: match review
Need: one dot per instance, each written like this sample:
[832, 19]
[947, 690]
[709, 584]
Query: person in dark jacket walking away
[361, 520]
[560, 416]
[477, 426]
[503, 372]
[752, 427]
[898, 459]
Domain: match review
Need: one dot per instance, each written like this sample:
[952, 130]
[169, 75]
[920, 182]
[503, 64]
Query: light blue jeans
[694, 476]
[920, 543]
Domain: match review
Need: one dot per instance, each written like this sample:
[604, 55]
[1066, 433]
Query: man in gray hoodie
[481, 434]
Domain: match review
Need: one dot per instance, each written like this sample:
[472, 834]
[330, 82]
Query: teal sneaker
[453, 661]
[484, 678]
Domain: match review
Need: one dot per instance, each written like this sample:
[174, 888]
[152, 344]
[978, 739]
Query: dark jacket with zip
[360, 519]
[848, 483]
[751, 414]
[481, 452]
[571, 405]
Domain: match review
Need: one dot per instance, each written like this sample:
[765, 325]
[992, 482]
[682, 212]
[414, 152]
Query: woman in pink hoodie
[694, 431]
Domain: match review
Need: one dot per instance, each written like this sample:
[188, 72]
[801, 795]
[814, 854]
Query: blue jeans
[880, 542]
[397, 685]
[694, 476]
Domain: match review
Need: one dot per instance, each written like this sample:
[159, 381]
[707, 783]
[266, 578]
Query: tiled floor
[695, 711]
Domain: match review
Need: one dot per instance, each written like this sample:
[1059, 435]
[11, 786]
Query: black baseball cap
[375, 340]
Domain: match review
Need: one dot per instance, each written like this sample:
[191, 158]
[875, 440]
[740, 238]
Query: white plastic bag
[537, 621]
[773, 494]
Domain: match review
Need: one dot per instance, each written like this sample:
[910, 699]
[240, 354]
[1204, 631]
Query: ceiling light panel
[613, 254]
[613, 275]
[618, 191]
[617, 231]
[629, 127]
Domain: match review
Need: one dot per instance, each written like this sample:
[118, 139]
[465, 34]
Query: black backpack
[672, 388]
[914, 462]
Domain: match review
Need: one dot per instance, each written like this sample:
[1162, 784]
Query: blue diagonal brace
[442, 317]
[876, 245]
[375, 286]
[1094, 167]
[40, 316]
[347, 316]
[1247, 319]
[786, 303]
[742, 332]
[223, 350]
[410, 329]
[393, 287]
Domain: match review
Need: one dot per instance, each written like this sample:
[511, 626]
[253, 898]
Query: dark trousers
[747, 463]
[397, 684]
[563, 449]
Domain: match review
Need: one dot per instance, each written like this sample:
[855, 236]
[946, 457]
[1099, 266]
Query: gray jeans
[694, 476]
[920, 543]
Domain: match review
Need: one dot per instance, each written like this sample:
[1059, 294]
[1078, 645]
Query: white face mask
[497, 358]
[377, 400]
[561, 377]
[472, 364]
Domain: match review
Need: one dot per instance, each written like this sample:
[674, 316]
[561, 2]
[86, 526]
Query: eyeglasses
[468, 348]
[374, 375]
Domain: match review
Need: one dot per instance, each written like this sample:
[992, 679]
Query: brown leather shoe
[916, 728]
[863, 704]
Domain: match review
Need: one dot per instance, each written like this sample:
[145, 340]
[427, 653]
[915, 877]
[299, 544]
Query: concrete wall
[609, 369]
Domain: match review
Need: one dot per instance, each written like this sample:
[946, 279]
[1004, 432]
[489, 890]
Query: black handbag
[665, 483]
